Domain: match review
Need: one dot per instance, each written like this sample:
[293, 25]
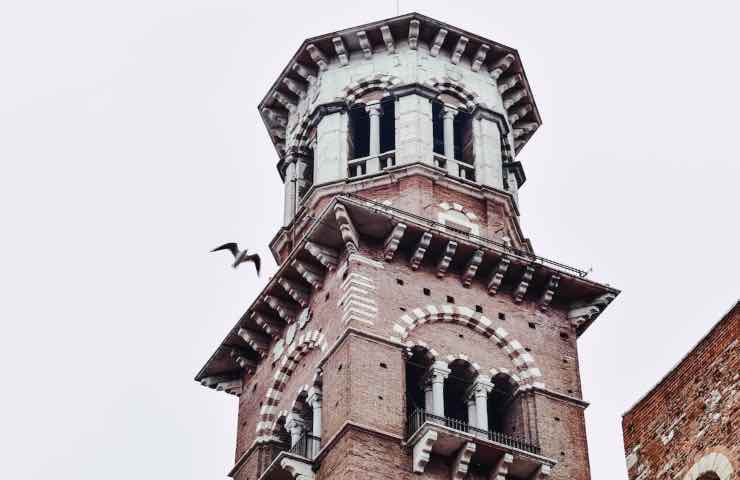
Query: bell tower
[410, 330]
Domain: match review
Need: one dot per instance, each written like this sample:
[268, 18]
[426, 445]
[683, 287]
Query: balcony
[296, 462]
[455, 167]
[494, 452]
[358, 167]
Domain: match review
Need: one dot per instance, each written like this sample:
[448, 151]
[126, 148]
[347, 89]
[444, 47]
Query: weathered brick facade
[689, 424]
[410, 328]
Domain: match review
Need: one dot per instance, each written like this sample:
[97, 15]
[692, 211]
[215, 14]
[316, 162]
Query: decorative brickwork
[688, 426]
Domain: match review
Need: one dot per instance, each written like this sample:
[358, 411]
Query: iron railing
[419, 417]
[522, 253]
[307, 446]
[456, 167]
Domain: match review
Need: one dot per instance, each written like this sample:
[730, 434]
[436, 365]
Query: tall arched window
[457, 386]
[452, 134]
[372, 133]
[500, 405]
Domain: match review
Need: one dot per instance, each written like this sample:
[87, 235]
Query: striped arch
[304, 344]
[454, 88]
[527, 372]
[715, 463]
[302, 130]
[378, 81]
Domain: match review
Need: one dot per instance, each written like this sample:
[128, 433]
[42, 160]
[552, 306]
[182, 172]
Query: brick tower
[410, 330]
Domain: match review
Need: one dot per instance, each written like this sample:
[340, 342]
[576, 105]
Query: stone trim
[527, 371]
[308, 341]
[379, 81]
[714, 462]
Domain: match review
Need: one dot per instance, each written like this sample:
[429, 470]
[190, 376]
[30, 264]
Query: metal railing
[307, 446]
[419, 417]
[530, 256]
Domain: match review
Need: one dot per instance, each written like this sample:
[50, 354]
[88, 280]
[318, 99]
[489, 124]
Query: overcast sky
[130, 145]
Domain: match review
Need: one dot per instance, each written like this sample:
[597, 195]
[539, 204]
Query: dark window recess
[501, 316]
[399, 281]
[326, 297]
[464, 137]
[387, 126]
[383, 365]
[532, 325]
[380, 397]
[450, 299]
[359, 131]
[460, 335]
[564, 336]
[403, 309]
[528, 349]
[340, 368]
[479, 309]
[344, 275]
[427, 292]
[437, 128]
[557, 419]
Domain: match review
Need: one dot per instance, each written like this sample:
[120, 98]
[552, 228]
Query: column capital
[438, 372]
[480, 387]
[448, 112]
[314, 398]
[373, 108]
[293, 421]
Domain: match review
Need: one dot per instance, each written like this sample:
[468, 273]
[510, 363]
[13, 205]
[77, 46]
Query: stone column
[330, 154]
[290, 181]
[448, 127]
[472, 416]
[314, 400]
[374, 111]
[437, 375]
[302, 181]
[479, 390]
[295, 424]
[414, 137]
[487, 149]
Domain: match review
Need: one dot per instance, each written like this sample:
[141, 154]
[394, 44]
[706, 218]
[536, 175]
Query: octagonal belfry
[410, 327]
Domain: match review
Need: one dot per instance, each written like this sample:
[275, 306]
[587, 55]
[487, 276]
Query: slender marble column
[290, 181]
[448, 127]
[315, 401]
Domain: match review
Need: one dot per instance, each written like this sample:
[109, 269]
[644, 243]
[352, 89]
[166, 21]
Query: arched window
[417, 366]
[457, 393]
[452, 134]
[500, 405]
[709, 476]
[372, 134]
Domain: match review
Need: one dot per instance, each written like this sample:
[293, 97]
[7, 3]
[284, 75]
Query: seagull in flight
[240, 256]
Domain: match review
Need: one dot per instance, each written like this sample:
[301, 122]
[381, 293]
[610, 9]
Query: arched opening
[417, 366]
[438, 128]
[501, 405]
[709, 476]
[457, 393]
[464, 151]
[281, 434]
[359, 132]
[388, 125]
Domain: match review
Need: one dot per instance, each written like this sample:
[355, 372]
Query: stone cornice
[577, 402]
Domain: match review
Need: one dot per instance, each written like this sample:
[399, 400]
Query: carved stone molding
[471, 268]
[480, 57]
[501, 469]
[423, 450]
[297, 292]
[447, 256]
[459, 468]
[393, 240]
[494, 283]
[310, 274]
[439, 39]
[346, 228]
[421, 249]
[340, 50]
[258, 342]
[328, 257]
[523, 286]
[269, 325]
[550, 289]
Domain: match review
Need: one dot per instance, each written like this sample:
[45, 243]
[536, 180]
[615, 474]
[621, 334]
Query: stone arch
[526, 369]
[298, 349]
[455, 214]
[446, 85]
[379, 81]
[711, 463]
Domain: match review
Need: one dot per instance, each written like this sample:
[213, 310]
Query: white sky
[130, 145]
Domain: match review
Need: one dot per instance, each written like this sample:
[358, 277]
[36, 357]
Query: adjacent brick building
[410, 328]
[687, 426]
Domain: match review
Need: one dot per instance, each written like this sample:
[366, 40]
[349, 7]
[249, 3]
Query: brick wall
[693, 411]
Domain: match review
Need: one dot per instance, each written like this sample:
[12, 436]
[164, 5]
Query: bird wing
[256, 259]
[231, 246]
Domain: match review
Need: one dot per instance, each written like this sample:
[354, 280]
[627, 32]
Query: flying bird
[240, 256]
